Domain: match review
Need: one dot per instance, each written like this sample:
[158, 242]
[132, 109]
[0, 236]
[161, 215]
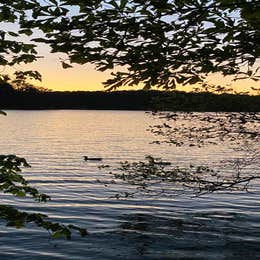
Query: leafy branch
[156, 177]
[12, 182]
[198, 129]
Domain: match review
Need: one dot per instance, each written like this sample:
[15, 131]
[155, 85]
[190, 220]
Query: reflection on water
[198, 234]
[214, 226]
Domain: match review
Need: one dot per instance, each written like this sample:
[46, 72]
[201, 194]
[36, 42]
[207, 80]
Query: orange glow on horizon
[87, 78]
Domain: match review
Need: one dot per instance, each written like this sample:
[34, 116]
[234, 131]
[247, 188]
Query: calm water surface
[219, 226]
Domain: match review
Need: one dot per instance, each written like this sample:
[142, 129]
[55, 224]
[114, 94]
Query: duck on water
[86, 158]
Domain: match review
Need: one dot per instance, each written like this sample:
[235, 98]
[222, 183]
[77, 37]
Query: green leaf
[13, 34]
[66, 65]
[27, 32]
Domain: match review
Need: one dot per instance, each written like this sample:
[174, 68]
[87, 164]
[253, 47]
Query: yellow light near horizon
[79, 78]
[87, 78]
[54, 77]
[83, 78]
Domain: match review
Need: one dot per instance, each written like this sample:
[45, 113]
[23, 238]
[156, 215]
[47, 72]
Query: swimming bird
[86, 158]
[162, 163]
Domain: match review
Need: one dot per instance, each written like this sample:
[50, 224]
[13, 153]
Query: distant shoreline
[136, 100]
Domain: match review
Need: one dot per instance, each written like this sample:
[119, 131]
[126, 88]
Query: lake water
[213, 226]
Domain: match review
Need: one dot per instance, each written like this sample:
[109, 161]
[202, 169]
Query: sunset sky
[86, 77]
[80, 77]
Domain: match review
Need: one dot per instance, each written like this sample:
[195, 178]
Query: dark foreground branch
[156, 177]
[14, 183]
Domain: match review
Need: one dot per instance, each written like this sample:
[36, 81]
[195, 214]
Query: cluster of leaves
[14, 49]
[12, 182]
[157, 43]
[198, 129]
[20, 84]
[18, 219]
[155, 177]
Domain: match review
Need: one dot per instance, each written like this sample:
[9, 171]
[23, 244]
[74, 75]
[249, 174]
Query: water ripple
[221, 226]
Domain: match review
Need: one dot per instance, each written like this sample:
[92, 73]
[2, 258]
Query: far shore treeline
[33, 98]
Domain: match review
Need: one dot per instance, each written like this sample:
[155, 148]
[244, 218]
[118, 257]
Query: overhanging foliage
[12, 182]
[159, 43]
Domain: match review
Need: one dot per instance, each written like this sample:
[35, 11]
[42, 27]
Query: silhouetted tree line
[34, 98]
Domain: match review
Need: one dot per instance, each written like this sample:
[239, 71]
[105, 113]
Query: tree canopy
[159, 43]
